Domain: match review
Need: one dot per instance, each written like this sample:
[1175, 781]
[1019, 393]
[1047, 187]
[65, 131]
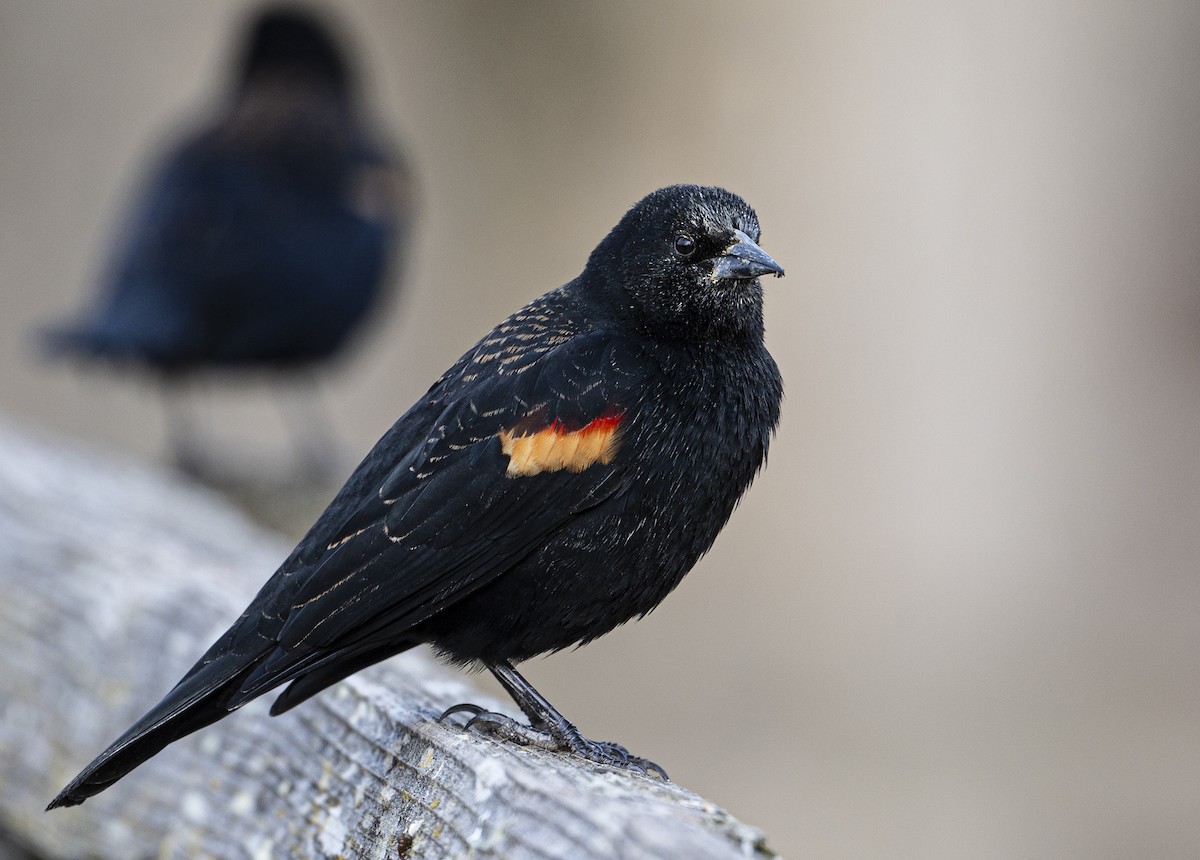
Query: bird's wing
[509, 461]
[146, 310]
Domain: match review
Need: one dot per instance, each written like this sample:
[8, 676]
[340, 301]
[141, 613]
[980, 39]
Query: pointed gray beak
[744, 260]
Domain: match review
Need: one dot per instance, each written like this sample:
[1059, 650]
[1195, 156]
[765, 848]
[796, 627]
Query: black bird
[557, 481]
[264, 239]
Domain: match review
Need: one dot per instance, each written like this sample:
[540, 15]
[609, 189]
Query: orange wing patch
[555, 447]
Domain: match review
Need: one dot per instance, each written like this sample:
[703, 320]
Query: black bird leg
[183, 439]
[547, 729]
[318, 449]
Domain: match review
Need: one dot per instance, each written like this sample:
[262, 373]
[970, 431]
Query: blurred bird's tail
[62, 340]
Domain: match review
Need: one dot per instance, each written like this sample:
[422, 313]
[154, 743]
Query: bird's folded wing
[454, 514]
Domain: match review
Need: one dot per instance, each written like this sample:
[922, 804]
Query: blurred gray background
[957, 614]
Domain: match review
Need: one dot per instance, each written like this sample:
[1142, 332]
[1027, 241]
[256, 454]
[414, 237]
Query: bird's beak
[744, 260]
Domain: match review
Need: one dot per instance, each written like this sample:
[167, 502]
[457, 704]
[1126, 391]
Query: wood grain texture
[115, 578]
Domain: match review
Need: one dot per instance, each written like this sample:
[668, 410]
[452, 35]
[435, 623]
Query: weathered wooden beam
[114, 578]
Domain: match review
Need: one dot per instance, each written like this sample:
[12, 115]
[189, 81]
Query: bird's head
[295, 44]
[684, 264]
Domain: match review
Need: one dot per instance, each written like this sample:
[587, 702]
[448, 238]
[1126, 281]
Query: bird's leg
[317, 447]
[548, 729]
[187, 452]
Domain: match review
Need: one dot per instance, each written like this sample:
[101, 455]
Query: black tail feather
[312, 682]
[208, 693]
[190, 706]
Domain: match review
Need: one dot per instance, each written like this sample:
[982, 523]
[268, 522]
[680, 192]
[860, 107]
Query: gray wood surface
[114, 579]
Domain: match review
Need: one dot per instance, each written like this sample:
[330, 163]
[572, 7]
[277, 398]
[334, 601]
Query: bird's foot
[554, 738]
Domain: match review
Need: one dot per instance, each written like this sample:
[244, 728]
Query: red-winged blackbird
[557, 481]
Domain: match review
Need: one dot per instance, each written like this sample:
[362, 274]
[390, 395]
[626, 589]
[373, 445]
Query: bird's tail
[64, 340]
[197, 701]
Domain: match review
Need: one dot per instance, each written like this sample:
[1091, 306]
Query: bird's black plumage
[557, 481]
[264, 238]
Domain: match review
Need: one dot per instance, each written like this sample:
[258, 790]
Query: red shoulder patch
[553, 448]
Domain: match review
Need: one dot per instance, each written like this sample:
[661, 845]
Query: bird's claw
[506, 728]
[503, 727]
[465, 707]
[626, 759]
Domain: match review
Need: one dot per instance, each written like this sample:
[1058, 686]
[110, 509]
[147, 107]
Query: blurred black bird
[557, 481]
[264, 239]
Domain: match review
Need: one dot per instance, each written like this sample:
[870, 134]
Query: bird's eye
[685, 246]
